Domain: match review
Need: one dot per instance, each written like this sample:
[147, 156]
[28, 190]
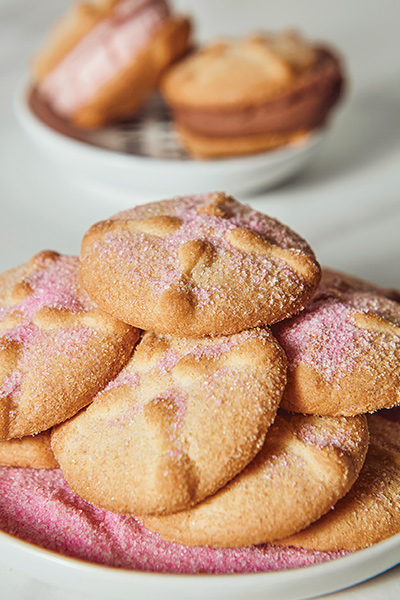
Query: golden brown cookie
[197, 265]
[182, 418]
[104, 58]
[306, 464]
[33, 451]
[343, 349]
[249, 95]
[370, 512]
[57, 349]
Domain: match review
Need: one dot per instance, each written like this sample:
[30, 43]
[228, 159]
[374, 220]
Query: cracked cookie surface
[305, 465]
[180, 420]
[197, 265]
[57, 349]
[343, 349]
[370, 512]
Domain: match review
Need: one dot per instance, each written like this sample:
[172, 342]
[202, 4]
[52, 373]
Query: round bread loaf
[240, 96]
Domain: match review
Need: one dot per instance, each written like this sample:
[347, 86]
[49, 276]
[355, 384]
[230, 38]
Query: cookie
[197, 265]
[29, 452]
[57, 349]
[104, 58]
[343, 349]
[248, 95]
[370, 512]
[182, 418]
[305, 465]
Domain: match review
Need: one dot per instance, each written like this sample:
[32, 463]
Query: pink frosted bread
[104, 59]
[57, 349]
[197, 265]
[343, 349]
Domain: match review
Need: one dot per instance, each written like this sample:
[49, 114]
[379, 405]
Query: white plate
[89, 163]
[104, 582]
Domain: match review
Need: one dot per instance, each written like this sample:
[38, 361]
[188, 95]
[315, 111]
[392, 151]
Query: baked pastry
[306, 464]
[57, 349]
[370, 512]
[181, 419]
[32, 451]
[105, 57]
[197, 265]
[253, 94]
[343, 349]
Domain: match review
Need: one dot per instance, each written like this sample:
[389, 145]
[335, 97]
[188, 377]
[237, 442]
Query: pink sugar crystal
[56, 286]
[10, 385]
[321, 438]
[325, 336]
[39, 507]
[124, 377]
[162, 274]
[53, 285]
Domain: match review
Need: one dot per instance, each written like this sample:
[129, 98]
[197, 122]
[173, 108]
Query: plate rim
[323, 578]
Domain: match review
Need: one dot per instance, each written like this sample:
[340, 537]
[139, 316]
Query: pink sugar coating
[39, 507]
[240, 215]
[247, 270]
[55, 285]
[168, 361]
[40, 350]
[370, 302]
[318, 437]
[325, 336]
[23, 333]
[124, 377]
[11, 384]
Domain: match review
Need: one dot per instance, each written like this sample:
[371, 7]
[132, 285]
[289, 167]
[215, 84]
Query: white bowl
[113, 173]
[105, 582]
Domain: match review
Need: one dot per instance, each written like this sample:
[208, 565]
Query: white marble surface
[347, 204]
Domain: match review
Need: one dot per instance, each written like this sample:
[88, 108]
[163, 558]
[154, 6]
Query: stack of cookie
[162, 349]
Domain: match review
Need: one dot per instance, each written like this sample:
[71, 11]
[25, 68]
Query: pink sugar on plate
[39, 507]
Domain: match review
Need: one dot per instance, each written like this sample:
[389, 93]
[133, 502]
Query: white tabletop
[347, 204]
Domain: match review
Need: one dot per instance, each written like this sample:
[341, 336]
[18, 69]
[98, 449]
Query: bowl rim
[372, 561]
[30, 121]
